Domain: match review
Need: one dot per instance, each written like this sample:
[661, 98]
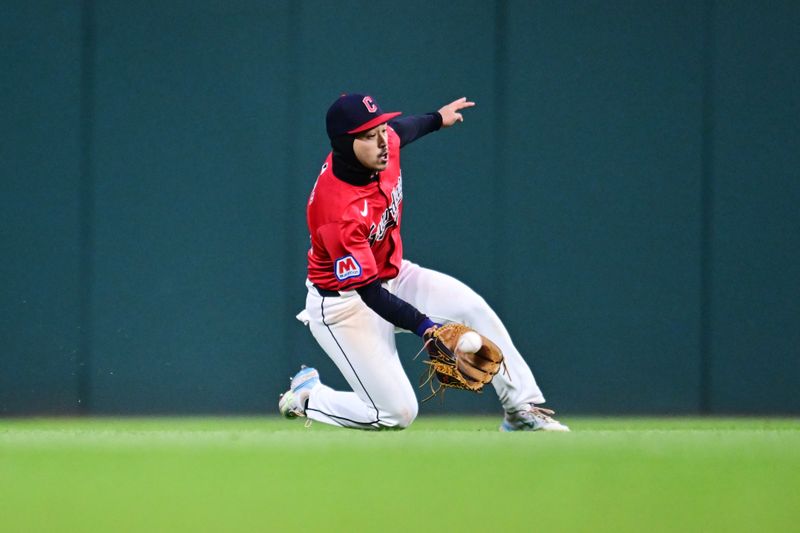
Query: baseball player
[361, 291]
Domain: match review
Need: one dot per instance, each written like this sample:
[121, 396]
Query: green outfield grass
[442, 474]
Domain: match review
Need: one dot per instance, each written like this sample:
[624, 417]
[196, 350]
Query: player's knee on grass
[400, 416]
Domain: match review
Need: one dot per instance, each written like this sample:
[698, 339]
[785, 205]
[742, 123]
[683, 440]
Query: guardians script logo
[389, 217]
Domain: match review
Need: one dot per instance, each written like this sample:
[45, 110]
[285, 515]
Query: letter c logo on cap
[369, 103]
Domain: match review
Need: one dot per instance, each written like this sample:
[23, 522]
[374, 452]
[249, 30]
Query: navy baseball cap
[354, 113]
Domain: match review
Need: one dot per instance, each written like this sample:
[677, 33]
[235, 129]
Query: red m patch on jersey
[346, 267]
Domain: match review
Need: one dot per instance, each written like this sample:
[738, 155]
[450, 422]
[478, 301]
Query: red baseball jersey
[355, 230]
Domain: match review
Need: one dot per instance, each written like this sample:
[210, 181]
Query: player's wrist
[439, 120]
[424, 326]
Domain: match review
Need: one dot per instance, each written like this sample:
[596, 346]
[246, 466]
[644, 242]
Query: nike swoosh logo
[364, 212]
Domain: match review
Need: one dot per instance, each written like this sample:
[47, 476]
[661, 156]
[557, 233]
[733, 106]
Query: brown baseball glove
[456, 368]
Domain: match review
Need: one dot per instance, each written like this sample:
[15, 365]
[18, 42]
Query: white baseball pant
[362, 345]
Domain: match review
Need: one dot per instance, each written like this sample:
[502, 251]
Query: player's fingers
[459, 117]
[466, 104]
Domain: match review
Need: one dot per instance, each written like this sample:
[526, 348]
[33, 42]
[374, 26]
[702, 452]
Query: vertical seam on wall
[707, 211]
[291, 246]
[86, 206]
[499, 179]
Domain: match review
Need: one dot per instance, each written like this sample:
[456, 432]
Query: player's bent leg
[445, 298]
[362, 346]
[347, 409]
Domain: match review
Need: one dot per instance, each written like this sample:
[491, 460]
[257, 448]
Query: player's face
[372, 148]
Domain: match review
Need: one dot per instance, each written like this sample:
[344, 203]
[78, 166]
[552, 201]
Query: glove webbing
[444, 363]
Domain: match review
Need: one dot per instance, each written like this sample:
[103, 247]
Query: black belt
[326, 292]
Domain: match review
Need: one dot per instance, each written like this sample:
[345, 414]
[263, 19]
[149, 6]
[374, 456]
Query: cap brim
[380, 119]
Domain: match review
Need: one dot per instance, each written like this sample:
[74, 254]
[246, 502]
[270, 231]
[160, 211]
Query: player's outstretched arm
[450, 112]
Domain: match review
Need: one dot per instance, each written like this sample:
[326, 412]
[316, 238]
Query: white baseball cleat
[532, 419]
[293, 402]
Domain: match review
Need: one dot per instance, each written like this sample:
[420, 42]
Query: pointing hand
[450, 112]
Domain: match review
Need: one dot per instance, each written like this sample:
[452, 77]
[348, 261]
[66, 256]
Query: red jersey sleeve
[347, 245]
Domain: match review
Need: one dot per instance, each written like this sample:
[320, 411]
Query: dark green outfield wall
[630, 180]
[40, 211]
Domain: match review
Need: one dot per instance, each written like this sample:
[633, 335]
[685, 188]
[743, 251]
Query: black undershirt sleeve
[412, 127]
[391, 308]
